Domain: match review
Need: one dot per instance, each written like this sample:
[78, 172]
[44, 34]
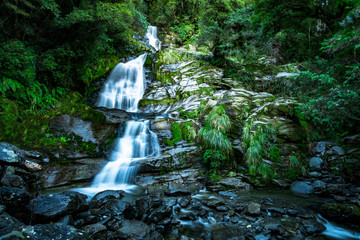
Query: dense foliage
[48, 48]
[52, 49]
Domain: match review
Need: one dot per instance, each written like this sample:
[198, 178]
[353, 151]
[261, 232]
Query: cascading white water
[125, 86]
[123, 90]
[153, 39]
[136, 143]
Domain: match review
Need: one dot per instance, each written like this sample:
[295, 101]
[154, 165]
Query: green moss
[165, 101]
[181, 131]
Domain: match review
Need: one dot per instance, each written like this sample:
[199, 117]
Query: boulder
[320, 148]
[341, 212]
[9, 224]
[56, 205]
[10, 154]
[229, 233]
[315, 163]
[301, 188]
[234, 183]
[311, 227]
[53, 231]
[136, 230]
[338, 150]
[116, 207]
[12, 180]
[89, 131]
[102, 197]
[96, 231]
[83, 170]
[253, 209]
[14, 198]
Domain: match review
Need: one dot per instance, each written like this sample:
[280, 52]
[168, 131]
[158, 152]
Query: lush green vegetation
[52, 49]
[51, 52]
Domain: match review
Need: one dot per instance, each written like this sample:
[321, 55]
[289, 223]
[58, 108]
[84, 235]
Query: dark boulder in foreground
[8, 224]
[14, 198]
[133, 229]
[56, 205]
[53, 231]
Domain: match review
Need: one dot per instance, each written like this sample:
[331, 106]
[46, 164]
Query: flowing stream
[123, 90]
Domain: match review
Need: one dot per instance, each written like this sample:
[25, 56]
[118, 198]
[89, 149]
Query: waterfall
[136, 143]
[123, 90]
[125, 86]
[153, 39]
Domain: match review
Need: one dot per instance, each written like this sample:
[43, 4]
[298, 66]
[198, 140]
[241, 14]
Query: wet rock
[229, 233]
[222, 208]
[175, 159]
[214, 203]
[314, 174]
[56, 205]
[320, 148]
[133, 229]
[52, 231]
[96, 231]
[301, 188]
[184, 201]
[83, 170]
[176, 192]
[341, 212]
[102, 197]
[234, 183]
[12, 180]
[89, 131]
[262, 237]
[315, 163]
[338, 150]
[318, 185]
[32, 166]
[228, 194]
[119, 208]
[10, 154]
[8, 224]
[311, 227]
[14, 198]
[160, 213]
[281, 183]
[143, 206]
[253, 209]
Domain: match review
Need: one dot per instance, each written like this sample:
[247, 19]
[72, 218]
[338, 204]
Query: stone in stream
[301, 188]
[136, 230]
[341, 212]
[102, 197]
[315, 163]
[311, 227]
[56, 205]
[253, 209]
[235, 183]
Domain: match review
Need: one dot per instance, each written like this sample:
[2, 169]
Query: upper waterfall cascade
[153, 39]
[125, 86]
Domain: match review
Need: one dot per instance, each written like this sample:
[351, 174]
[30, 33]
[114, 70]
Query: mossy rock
[341, 212]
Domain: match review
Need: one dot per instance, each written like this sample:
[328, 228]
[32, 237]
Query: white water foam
[153, 39]
[125, 86]
[136, 143]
